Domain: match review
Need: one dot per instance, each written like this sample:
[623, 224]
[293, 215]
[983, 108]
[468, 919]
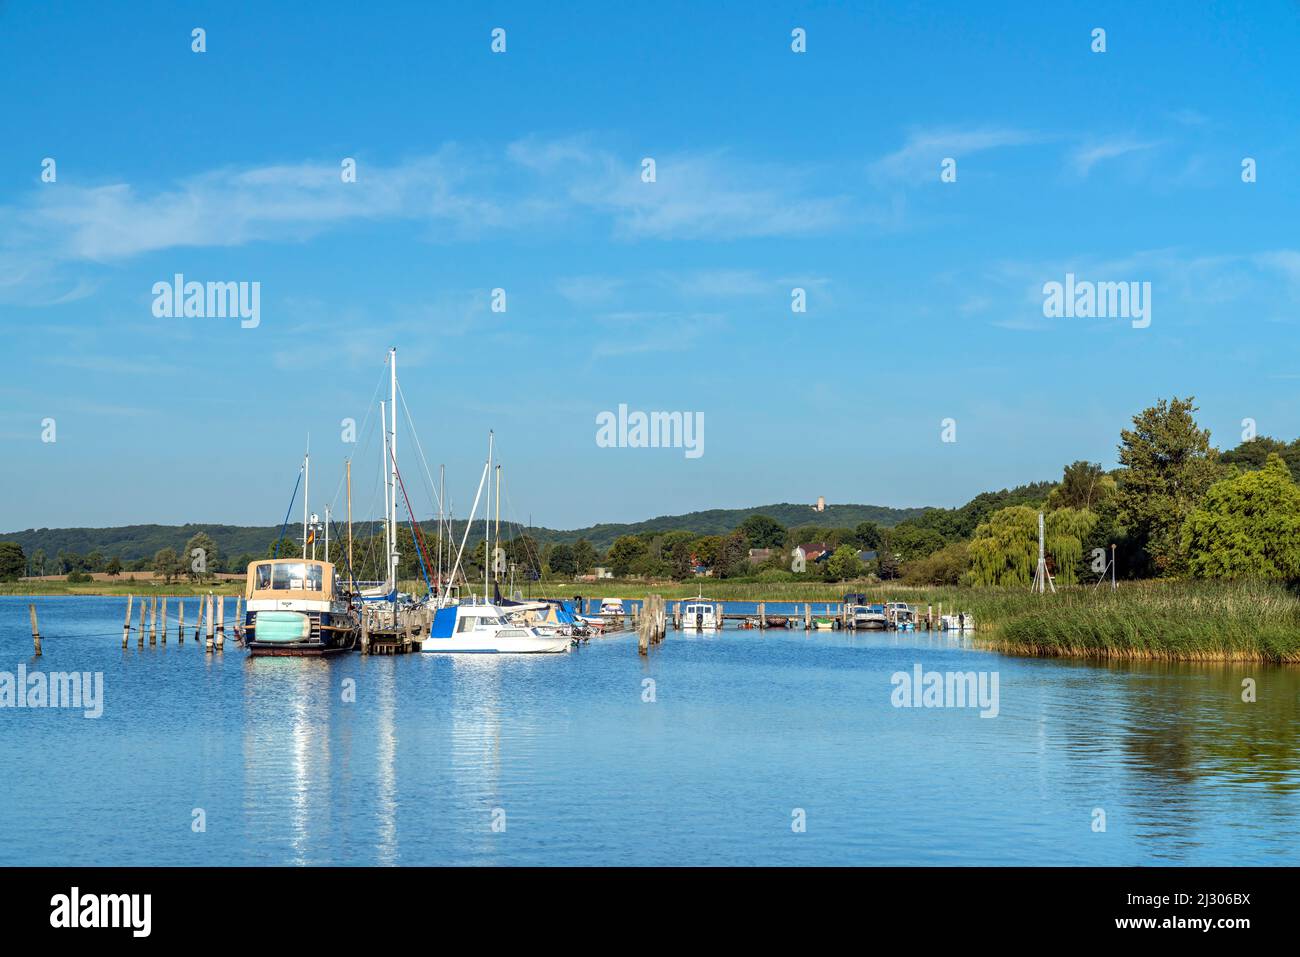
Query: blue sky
[521, 171]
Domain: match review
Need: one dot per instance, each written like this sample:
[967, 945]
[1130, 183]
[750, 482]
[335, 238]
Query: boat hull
[304, 649]
[478, 645]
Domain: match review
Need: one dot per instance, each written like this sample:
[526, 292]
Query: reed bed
[1184, 621]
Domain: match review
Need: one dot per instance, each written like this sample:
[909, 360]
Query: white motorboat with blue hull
[485, 630]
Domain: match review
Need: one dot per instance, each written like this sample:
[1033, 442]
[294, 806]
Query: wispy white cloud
[456, 193]
[696, 195]
[919, 157]
[1084, 158]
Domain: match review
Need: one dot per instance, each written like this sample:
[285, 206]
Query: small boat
[778, 621]
[612, 610]
[486, 629]
[900, 615]
[295, 608]
[699, 614]
[824, 624]
[958, 622]
[869, 617]
[550, 616]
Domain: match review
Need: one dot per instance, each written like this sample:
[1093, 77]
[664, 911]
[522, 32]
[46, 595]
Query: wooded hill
[133, 542]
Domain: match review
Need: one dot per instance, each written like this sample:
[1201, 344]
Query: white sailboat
[482, 627]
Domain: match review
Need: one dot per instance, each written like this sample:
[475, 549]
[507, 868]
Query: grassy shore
[1176, 621]
[1164, 620]
[53, 587]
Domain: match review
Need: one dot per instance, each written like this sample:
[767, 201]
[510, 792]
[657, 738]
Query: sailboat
[481, 627]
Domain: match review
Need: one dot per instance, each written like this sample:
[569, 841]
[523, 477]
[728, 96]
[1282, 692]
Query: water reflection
[288, 785]
[744, 726]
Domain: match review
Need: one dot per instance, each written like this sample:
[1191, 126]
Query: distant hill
[131, 542]
[718, 521]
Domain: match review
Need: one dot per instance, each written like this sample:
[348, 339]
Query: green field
[123, 587]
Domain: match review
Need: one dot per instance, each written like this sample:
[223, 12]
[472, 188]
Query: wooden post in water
[221, 621]
[198, 621]
[126, 625]
[762, 614]
[929, 617]
[807, 616]
[677, 614]
[208, 645]
[162, 623]
[139, 635]
[153, 620]
[36, 630]
[365, 630]
[239, 616]
[180, 627]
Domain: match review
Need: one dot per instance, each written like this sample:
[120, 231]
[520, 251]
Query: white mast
[1042, 580]
[442, 482]
[306, 493]
[487, 527]
[392, 455]
[383, 463]
[327, 533]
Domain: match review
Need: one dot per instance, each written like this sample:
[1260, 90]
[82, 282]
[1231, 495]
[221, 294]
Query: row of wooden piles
[651, 623]
[210, 620]
[211, 610]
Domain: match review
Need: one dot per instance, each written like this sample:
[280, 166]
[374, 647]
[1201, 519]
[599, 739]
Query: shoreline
[1166, 620]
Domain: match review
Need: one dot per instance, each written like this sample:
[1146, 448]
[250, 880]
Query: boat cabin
[289, 579]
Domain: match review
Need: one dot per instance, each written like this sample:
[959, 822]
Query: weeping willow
[1066, 529]
[1004, 550]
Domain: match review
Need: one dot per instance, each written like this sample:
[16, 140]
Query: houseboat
[296, 607]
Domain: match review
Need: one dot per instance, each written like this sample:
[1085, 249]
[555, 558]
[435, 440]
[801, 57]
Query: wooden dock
[804, 614]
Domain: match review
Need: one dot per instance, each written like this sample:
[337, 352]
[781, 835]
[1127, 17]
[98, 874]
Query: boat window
[466, 624]
[296, 576]
[263, 579]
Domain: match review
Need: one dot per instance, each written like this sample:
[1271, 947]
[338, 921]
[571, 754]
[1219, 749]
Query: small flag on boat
[311, 535]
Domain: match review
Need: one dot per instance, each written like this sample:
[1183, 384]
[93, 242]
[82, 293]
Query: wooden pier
[388, 631]
[804, 614]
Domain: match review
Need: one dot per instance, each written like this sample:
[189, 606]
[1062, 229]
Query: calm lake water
[745, 728]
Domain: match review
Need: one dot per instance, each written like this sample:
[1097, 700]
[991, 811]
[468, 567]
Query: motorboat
[487, 629]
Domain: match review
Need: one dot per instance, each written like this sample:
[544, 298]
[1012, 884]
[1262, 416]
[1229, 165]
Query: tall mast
[349, 465]
[383, 470]
[442, 481]
[327, 534]
[487, 530]
[306, 494]
[392, 456]
[497, 532]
